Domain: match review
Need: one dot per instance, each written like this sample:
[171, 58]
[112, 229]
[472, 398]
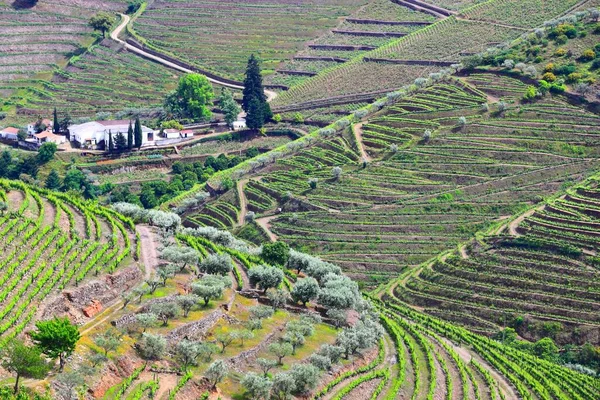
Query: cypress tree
[53, 181]
[111, 146]
[120, 142]
[259, 113]
[55, 124]
[255, 118]
[138, 133]
[253, 87]
[130, 136]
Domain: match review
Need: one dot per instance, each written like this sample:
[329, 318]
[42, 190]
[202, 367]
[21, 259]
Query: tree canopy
[56, 338]
[102, 22]
[192, 98]
[23, 361]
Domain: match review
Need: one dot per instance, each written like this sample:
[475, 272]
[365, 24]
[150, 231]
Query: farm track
[243, 201]
[265, 224]
[357, 128]
[271, 95]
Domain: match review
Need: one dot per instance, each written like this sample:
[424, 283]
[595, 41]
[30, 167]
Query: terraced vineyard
[219, 35]
[430, 194]
[375, 24]
[38, 39]
[401, 61]
[68, 241]
[105, 79]
[440, 360]
[543, 265]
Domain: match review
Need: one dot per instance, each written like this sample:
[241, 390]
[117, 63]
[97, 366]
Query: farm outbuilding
[239, 125]
[9, 133]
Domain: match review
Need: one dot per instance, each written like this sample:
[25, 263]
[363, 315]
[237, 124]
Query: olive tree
[151, 347]
[108, 341]
[266, 365]
[305, 290]
[68, 382]
[338, 291]
[284, 385]
[305, 377]
[207, 350]
[265, 277]
[278, 298]
[280, 350]
[216, 372]
[180, 255]
[210, 287]
[186, 302]
[146, 320]
[216, 264]
[257, 386]
[258, 313]
[320, 361]
[166, 311]
[187, 353]
[225, 339]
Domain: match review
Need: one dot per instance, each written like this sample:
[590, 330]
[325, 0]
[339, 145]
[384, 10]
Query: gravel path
[265, 224]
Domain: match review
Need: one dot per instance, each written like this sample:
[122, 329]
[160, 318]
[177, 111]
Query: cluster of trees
[302, 378]
[164, 220]
[12, 167]
[258, 111]
[74, 181]
[584, 358]
[53, 339]
[120, 142]
[184, 177]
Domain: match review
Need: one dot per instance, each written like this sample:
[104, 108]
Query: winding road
[125, 19]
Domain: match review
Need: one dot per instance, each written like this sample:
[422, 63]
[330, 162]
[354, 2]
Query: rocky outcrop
[83, 302]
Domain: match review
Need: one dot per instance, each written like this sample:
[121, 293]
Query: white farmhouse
[49, 137]
[93, 134]
[9, 133]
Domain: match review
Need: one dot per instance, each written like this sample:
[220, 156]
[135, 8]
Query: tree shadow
[24, 4]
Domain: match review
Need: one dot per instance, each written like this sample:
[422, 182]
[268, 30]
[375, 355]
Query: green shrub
[549, 77]
[574, 77]
[588, 55]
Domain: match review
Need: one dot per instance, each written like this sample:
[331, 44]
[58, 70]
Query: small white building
[49, 137]
[31, 130]
[239, 125]
[172, 133]
[93, 134]
[10, 133]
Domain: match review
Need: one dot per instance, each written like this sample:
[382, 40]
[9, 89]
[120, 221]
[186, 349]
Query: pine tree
[137, 132]
[130, 136]
[55, 124]
[120, 142]
[53, 181]
[111, 147]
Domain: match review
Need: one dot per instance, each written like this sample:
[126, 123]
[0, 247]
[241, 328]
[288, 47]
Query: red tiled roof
[10, 130]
